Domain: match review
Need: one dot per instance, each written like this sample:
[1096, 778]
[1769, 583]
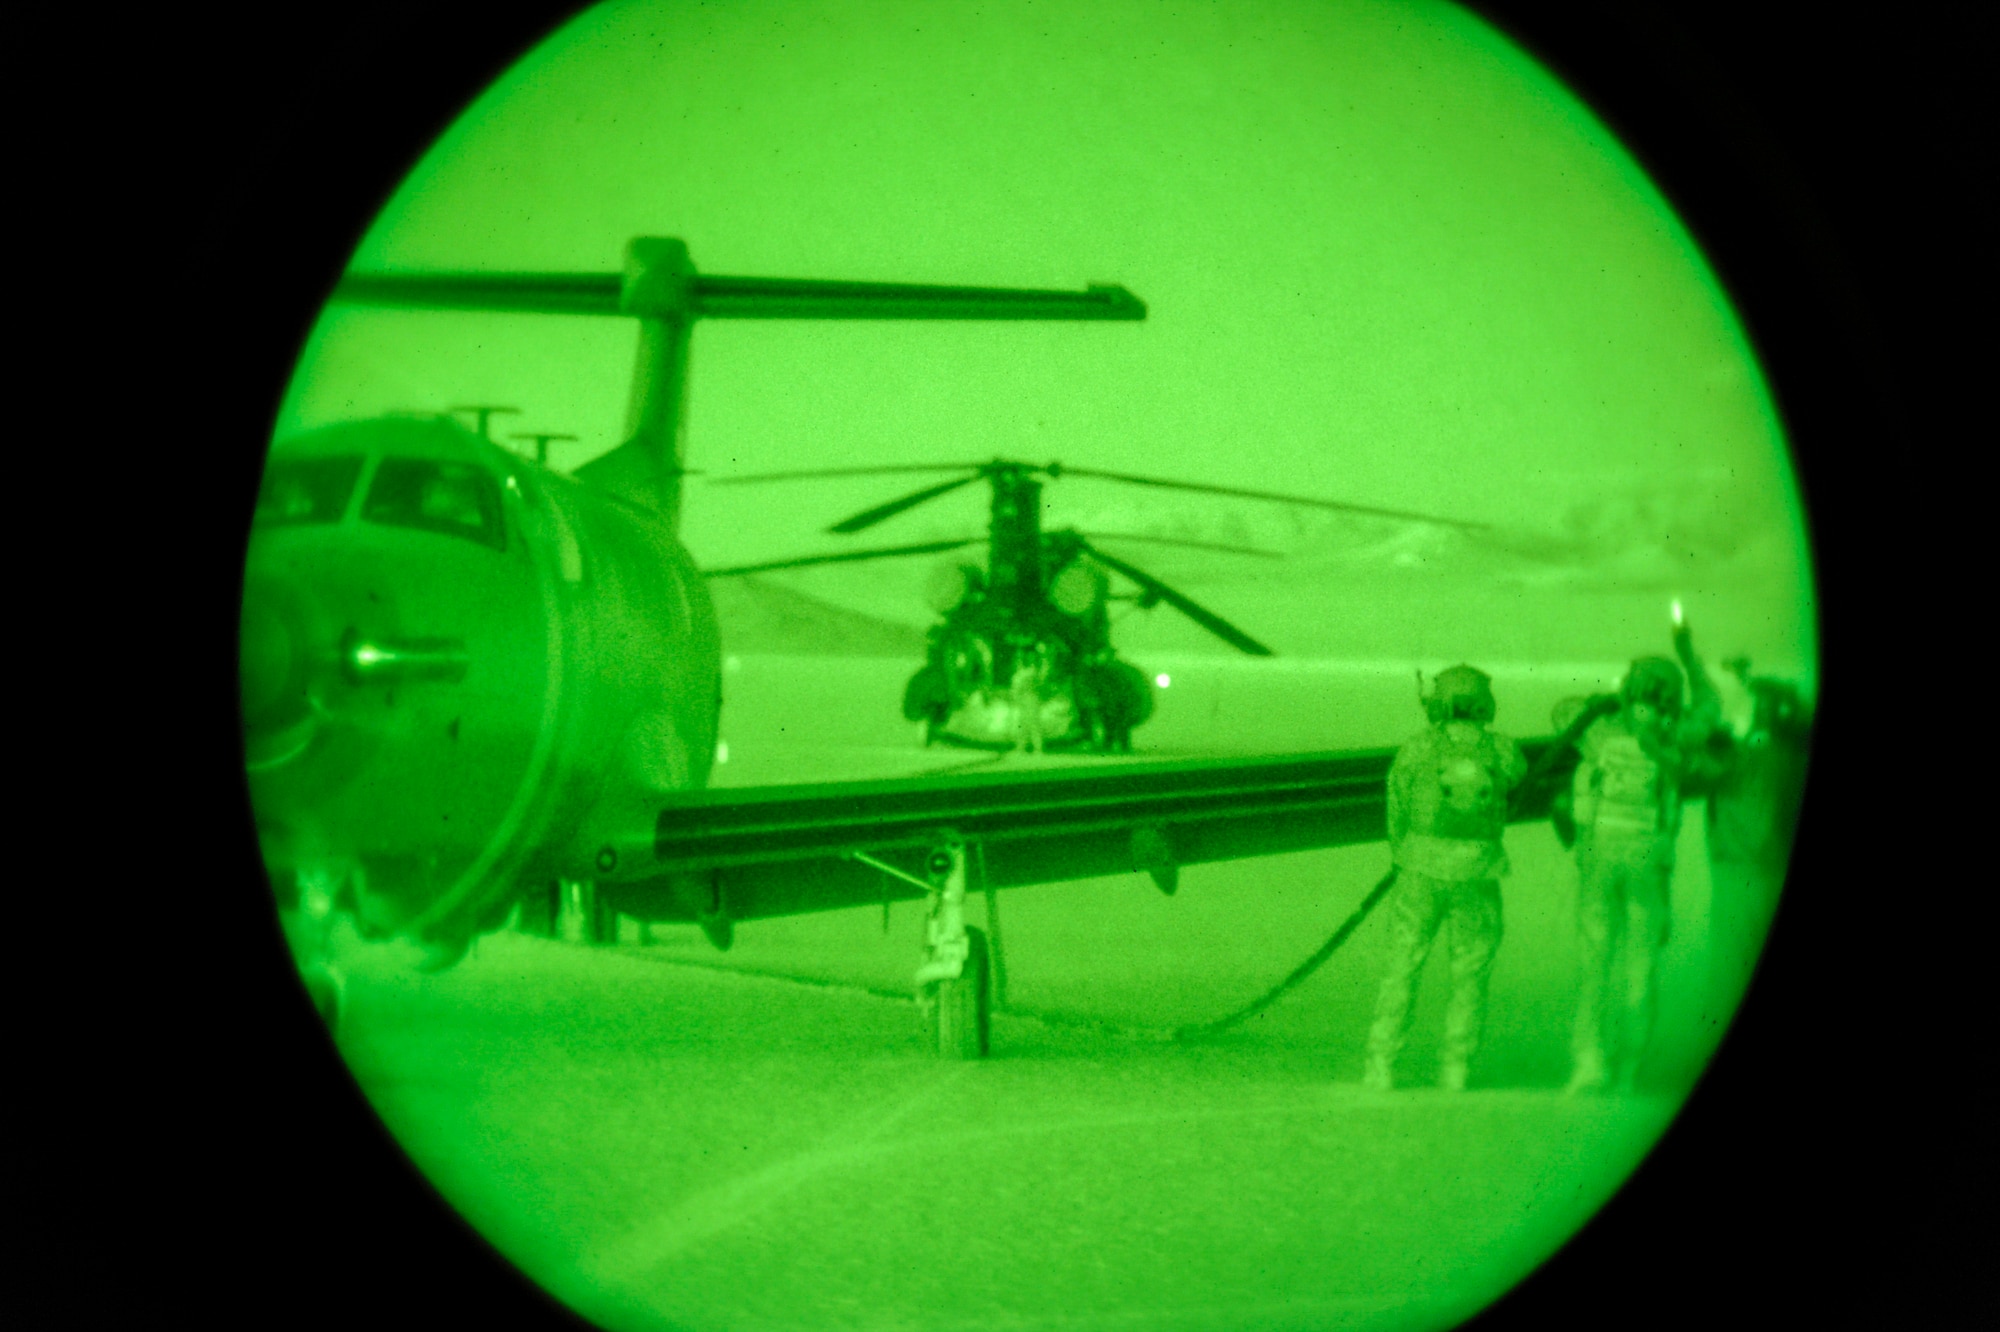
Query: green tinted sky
[1388, 259]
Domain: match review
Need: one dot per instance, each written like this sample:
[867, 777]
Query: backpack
[1460, 797]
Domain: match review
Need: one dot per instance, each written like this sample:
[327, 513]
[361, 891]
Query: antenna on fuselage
[483, 414]
[542, 444]
[661, 289]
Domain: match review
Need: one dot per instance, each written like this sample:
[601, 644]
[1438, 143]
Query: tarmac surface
[664, 1136]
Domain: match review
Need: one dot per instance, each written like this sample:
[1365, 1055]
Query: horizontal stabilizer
[524, 293]
[714, 297]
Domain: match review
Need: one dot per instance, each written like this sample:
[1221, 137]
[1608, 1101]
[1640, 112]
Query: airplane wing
[779, 851]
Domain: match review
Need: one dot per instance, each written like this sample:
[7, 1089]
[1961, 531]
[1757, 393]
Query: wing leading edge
[779, 851]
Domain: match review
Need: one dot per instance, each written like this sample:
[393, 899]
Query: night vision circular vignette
[1275, 485]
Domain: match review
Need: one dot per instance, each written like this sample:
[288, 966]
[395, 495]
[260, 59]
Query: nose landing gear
[954, 980]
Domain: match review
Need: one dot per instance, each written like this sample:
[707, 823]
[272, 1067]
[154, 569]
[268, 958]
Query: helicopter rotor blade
[817, 473]
[1339, 507]
[845, 557]
[1207, 619]
[869, 517]
[1176, 541]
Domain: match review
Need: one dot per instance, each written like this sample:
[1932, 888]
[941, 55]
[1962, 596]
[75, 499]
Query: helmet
[1461, 693]
[1655, 681]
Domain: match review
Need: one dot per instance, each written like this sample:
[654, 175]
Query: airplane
[466, 678]
[461, 671]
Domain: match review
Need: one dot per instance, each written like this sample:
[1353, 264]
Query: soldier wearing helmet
[1625, 808]
[1448, 791]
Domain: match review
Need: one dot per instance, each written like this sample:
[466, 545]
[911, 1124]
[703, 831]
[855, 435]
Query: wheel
[964, 1006]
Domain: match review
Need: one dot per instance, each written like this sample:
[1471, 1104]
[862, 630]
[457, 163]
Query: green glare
[491, 694]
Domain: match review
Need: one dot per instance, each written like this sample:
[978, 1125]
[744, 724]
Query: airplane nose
[378, 659]
[268, 662]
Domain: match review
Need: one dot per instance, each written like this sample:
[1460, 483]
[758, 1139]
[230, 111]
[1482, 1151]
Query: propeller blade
[869, 517]
[1207, 619]
[1336, 505]
[927, 548]
[818, 472]
[1176, 541]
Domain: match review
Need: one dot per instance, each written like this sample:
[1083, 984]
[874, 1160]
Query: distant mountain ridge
[761, 617]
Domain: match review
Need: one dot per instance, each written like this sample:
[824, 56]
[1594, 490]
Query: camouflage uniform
[1626, 802]
[1447, 794]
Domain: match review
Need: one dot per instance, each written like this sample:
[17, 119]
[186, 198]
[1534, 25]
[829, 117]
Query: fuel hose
[1599, 705]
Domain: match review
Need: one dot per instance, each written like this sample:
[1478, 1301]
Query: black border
[1794, 148]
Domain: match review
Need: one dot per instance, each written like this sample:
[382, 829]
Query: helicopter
[1022, 656]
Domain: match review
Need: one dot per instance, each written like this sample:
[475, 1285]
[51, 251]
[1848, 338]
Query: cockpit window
[457, 499]
[306, 490]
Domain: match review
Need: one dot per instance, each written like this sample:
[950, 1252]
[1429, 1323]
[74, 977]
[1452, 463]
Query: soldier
[1752, 814]
[1625, 802]
[1030, 670]
[1448, 791]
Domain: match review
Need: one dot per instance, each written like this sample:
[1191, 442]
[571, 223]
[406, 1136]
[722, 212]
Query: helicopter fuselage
[1023, 654]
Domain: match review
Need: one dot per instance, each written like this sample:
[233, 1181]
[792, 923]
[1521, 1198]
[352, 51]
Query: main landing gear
[578, 913]
[955, 979]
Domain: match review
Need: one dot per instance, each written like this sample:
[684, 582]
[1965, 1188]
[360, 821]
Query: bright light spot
[1163, 680]
[722, 751]
[1677, 612]
[367, 655]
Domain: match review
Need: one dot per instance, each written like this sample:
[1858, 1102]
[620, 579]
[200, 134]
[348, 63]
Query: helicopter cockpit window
[457, 499]
[308, 490]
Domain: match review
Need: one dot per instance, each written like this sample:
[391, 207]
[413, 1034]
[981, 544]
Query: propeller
[1202, 616]
[926, 548]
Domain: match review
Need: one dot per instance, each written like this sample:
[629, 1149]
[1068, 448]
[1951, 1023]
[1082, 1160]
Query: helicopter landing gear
[954, 981]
